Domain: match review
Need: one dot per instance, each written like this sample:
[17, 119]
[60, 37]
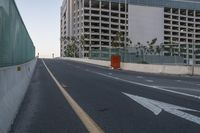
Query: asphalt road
[117, 101]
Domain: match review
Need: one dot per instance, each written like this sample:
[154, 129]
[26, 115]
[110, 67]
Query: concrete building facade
[175, 22]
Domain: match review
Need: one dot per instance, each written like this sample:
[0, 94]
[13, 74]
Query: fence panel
[16, 46]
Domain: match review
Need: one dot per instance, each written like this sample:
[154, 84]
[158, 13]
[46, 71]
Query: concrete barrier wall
[148, 68]
[160, 69]
[91, 61]
[14, 82]
[197, 70]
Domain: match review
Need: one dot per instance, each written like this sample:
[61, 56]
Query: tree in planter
[74, 43]
[66, 40]
[82, 41]
[71, 49]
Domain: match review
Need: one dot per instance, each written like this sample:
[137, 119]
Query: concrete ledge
[147, 68]
[14, 82]
[159, 69]
[91, 61]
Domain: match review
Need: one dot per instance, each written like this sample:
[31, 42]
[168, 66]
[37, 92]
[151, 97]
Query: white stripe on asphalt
[150, 86]
[157, 107]
[91, 126]
[180, 88]
[186, 82]
[150, 81]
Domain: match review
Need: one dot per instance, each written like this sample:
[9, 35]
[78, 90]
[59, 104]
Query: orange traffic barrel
[115, 61]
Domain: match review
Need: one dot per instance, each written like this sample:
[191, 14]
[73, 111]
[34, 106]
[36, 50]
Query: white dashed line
[140, 77]
[145, 85]
[151, 81]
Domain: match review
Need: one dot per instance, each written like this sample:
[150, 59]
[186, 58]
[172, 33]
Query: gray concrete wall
[148, 68]
[14, 82]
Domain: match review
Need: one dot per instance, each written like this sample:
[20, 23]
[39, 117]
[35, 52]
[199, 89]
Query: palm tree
[116, 41]
[158, 49]
[151, 45]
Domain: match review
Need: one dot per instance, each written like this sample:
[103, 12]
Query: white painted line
[91, 126]
[180, 88]
[63, 85]
[186, 82]
[110, 73]
[77, 66]
[157, 106]
[151, 81]
[149, 86]
[140, 77]
[90, 64]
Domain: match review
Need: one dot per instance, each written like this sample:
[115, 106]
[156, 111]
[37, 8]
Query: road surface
[106, 100]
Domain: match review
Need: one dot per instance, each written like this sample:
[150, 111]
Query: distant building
[174, 22]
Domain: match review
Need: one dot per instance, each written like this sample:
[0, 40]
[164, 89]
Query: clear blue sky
[42, 20]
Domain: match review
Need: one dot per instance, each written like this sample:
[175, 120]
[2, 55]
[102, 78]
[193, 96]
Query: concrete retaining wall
[14, 82]
[148, 68]
[91, 61]
[197, 70]
[160, 69]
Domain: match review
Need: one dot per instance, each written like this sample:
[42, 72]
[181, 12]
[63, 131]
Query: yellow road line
[90, 124]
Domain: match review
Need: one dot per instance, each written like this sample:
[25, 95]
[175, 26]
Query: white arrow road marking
[156, 107]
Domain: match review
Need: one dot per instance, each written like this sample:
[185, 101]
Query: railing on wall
[16, 46]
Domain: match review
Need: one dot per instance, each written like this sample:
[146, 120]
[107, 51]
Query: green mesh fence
[128, 55]
[16, 46]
